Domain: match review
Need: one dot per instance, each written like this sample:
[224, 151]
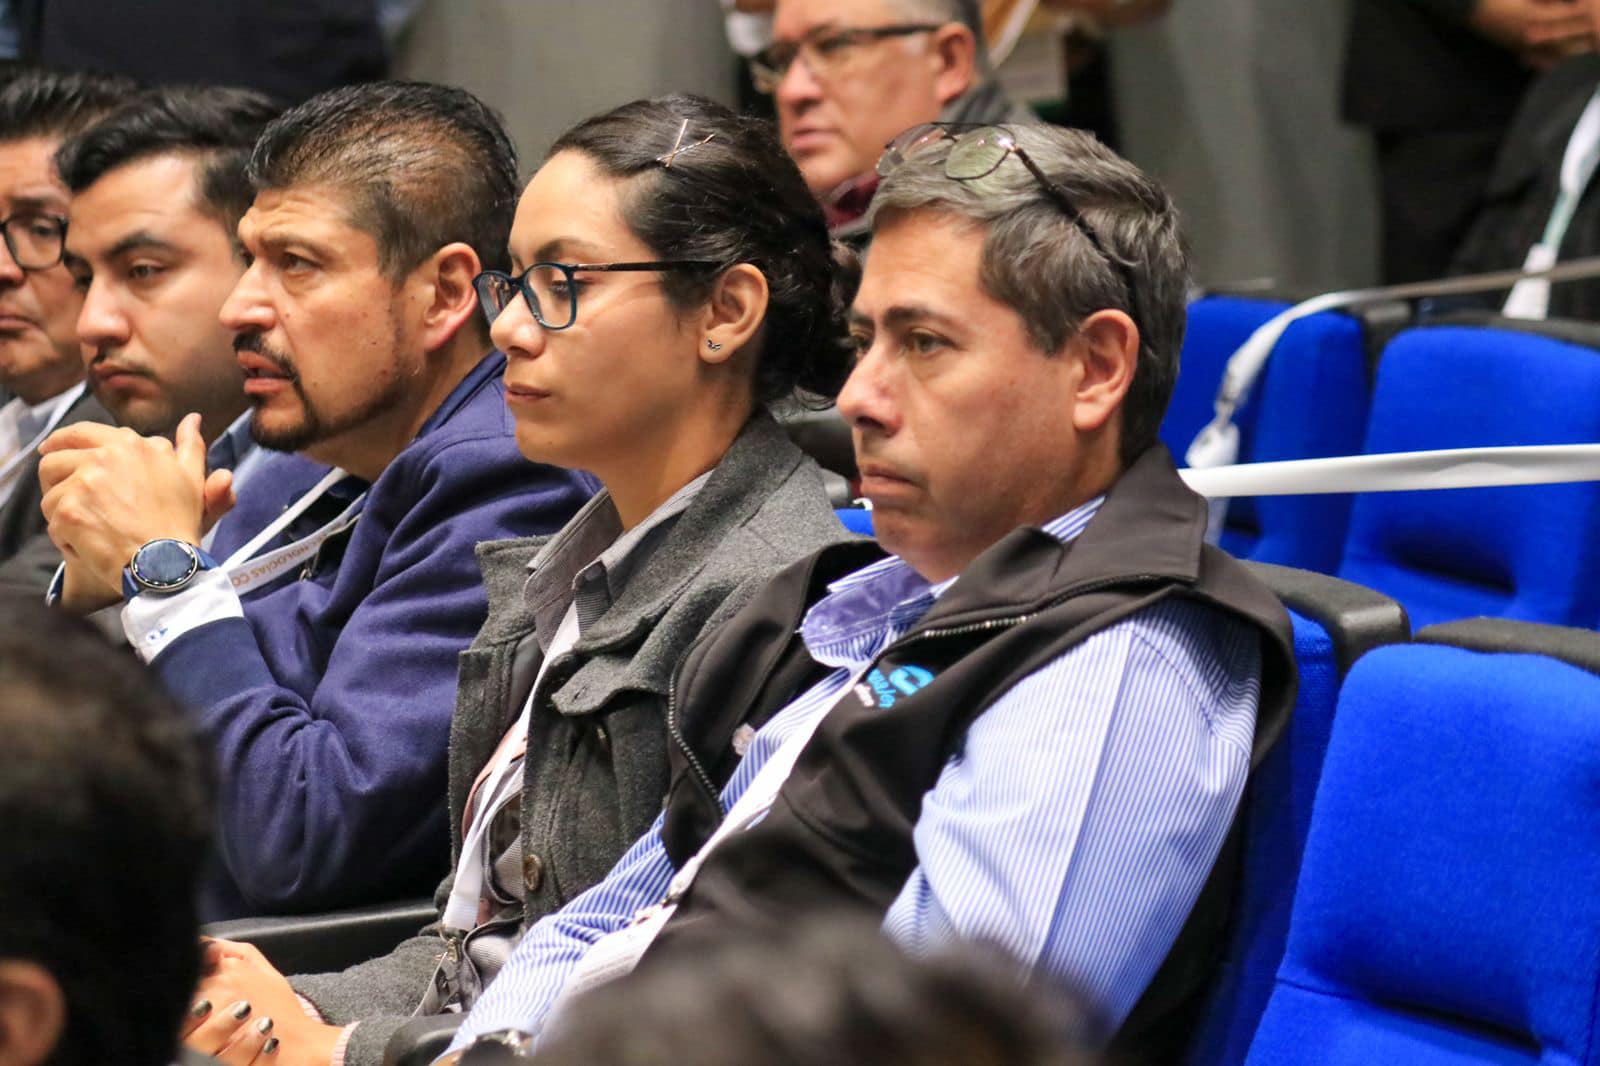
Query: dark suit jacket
[1522, 190]
[1416, 64]
[27, 558]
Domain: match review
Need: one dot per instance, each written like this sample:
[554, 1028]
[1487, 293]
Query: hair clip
[678, 147]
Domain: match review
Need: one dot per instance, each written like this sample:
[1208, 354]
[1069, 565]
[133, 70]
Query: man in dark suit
[1437, 82]
[40, 364]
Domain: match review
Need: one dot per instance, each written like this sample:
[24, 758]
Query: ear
[443, 293]
[33, 1013]
[1108, 348]
[955, 53]
[733, 314]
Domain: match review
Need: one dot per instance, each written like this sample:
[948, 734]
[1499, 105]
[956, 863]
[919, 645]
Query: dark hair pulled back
[736, 198]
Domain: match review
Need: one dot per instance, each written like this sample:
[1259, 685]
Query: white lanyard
[1217, 444]
[1531, 297]
[616, 954]
[11, 469]
[466, 892]
[246, 572]
[1446, 468]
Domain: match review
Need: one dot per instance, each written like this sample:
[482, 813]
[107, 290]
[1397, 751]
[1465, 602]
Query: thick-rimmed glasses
[551, 289]
[35, 240]
[978, 152]
[826, 51]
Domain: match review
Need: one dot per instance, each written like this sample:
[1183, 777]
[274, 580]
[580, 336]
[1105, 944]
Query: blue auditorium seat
[1448, 910]
[1525, 552]
[1335, 623]
[1310, 402]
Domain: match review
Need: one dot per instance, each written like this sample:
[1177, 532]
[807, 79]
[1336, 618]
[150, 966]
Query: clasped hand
[108, 491]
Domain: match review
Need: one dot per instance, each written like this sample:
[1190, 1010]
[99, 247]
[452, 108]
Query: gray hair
[967, 12]
[1037, 262]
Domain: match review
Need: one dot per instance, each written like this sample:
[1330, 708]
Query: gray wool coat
[596, 768]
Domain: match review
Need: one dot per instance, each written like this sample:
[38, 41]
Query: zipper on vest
[1008, 621]
[704, 779]
[676, 733]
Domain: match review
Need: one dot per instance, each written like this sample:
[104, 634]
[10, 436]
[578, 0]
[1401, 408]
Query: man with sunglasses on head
[40, 365]
[1032, 723]
[319, 653]
[847, 76]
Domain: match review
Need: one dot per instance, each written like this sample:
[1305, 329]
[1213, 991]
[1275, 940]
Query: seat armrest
[421, 1040]
[321, 943]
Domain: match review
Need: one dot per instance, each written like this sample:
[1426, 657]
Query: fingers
[81, 435]
[197, 1013]
[218, 1027]
[190, 445]
[253, 1042]
[218, 496]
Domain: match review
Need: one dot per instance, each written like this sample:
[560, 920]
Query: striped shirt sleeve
[1079, 823]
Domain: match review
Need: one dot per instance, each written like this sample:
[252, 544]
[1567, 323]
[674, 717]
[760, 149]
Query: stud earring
[713, 345]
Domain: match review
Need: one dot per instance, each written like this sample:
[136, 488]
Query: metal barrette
[666, 159]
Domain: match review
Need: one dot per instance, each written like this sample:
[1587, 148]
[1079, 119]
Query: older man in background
[850, 75]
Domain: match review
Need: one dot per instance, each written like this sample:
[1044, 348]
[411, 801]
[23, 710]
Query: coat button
[603, 737]
[532, 872]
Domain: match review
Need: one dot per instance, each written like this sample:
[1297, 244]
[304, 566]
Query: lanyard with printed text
[246, 571]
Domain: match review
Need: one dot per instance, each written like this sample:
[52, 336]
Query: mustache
[252, 342]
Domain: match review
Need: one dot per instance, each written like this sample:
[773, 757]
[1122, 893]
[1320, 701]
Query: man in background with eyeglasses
[1032, 724]
[40, 366]
[850, 75]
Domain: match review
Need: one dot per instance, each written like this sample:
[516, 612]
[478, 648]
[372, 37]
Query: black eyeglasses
[551, 289]
[978, 152]
[826, 52]
[35, 240]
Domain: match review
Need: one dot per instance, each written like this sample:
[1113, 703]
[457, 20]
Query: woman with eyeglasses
[672, 278]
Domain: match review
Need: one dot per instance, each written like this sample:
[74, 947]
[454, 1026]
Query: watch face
[164, 564]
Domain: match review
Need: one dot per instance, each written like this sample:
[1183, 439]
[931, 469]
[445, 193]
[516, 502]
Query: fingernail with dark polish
[201, 1008]
[241, 1010]
[264, 1026]
[270, 1047]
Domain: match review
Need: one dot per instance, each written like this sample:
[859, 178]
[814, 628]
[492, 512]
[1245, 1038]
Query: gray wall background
[545, 64]
[1233, 104]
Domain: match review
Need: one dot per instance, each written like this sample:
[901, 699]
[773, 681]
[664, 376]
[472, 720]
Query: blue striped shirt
[1075, 828]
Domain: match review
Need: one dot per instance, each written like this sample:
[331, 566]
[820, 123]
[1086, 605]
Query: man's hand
[108, 491]
[1542, 32]
[237, 973]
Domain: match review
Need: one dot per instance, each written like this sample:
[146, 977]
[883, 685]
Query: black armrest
[319, 943]
[421, 1040]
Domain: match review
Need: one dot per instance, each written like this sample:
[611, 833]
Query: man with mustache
[39, 361]
[319, 652]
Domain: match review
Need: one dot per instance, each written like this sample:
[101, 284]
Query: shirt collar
[33, 417]
[595, 536]
[228, 450]
[866, 610]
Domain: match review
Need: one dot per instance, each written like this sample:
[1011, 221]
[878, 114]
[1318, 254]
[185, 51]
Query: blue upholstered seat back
[1277, 813]
[1310, 402]
[1448, 909]
[1529, 553]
